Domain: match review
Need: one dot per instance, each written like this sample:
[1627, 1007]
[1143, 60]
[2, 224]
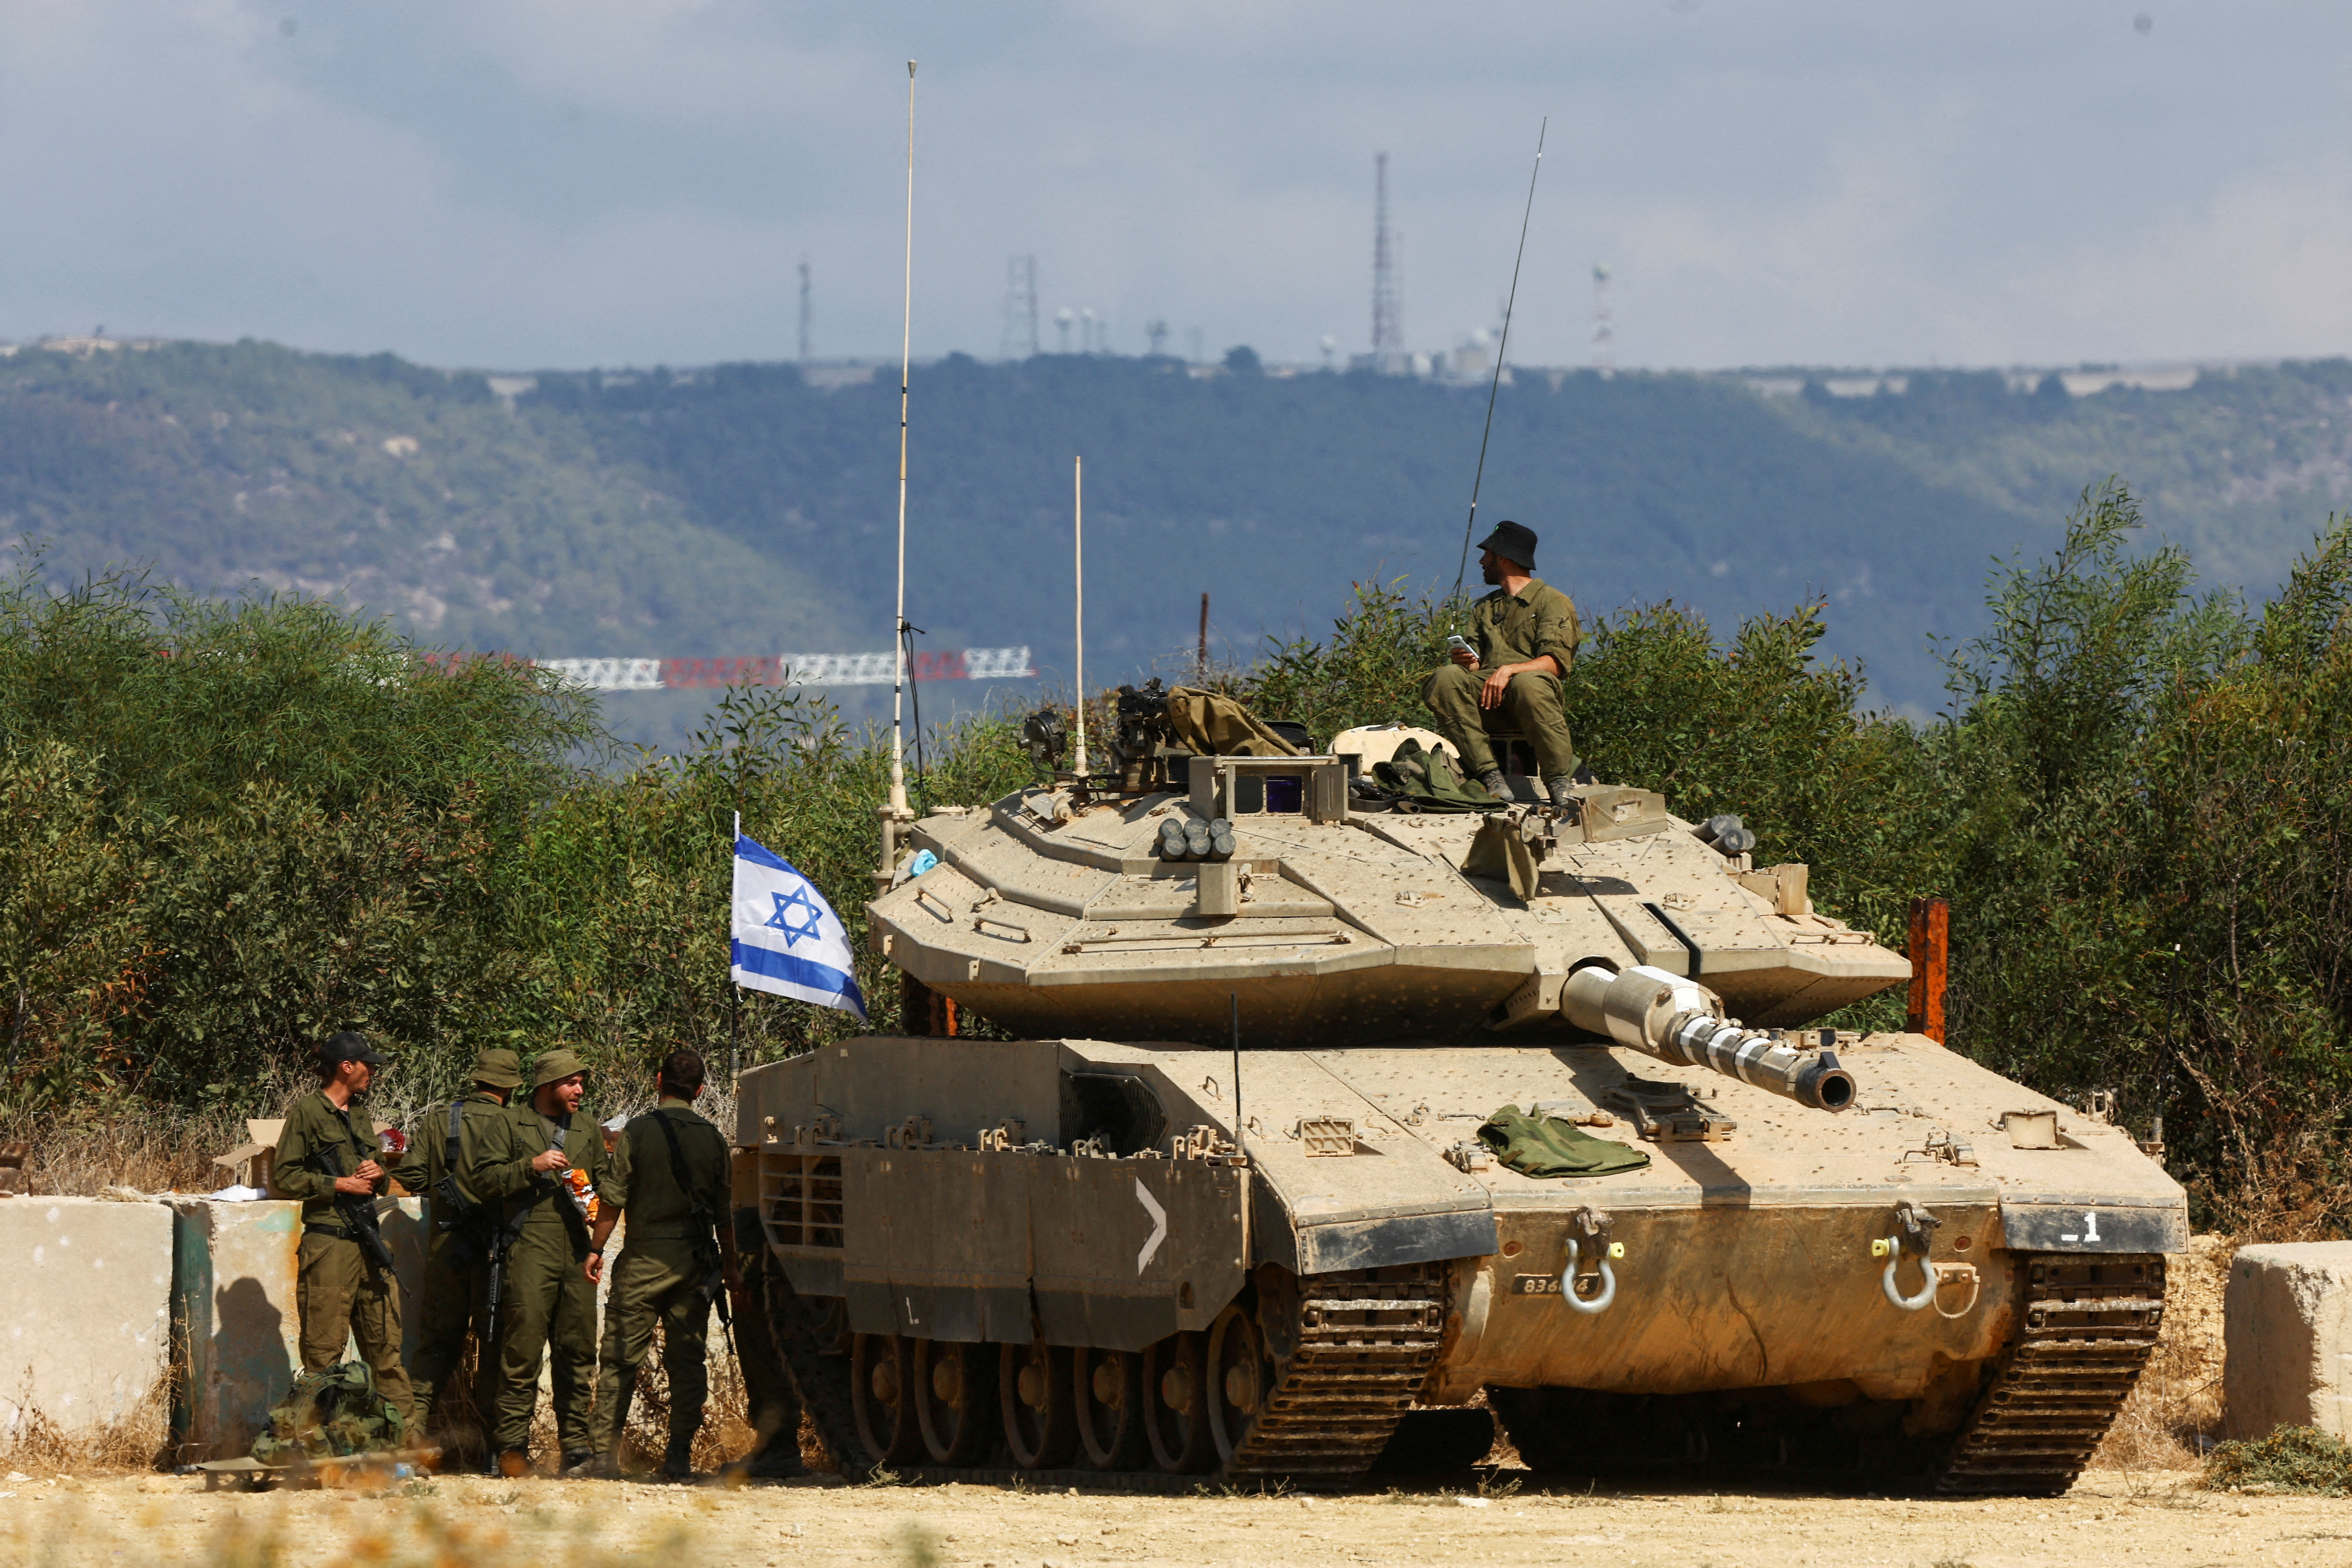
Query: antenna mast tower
[1388, 321]
[1604, 330]
[1019, 309]
[804, 310]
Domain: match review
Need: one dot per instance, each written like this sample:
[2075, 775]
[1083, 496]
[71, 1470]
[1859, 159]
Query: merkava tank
[1226, 1207]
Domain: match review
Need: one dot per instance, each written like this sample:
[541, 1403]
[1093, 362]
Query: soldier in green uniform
[669, 1173]
[324, 1154]
[453, 1300]
[549, 1304]
[1524, 635]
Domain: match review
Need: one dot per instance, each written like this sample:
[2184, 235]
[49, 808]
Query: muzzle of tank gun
[1678, 1020]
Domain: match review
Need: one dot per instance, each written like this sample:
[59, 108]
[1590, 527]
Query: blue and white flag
[787, 938]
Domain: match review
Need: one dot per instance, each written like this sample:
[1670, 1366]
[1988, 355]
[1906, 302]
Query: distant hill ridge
[739, 510]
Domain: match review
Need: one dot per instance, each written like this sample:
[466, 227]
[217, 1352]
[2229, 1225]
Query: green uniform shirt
[314, 1124]
[502, 1174]
[480, 1116]
[641, 1179]
[1515, 629]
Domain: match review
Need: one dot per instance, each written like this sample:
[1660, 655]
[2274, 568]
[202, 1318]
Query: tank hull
[1115, 1199]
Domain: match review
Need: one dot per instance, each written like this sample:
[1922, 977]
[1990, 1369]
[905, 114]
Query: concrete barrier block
[85, 1311]
[233, 1296]
[2287, 1327]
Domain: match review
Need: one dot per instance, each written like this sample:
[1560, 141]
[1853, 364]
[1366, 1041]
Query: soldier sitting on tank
[1523, 638]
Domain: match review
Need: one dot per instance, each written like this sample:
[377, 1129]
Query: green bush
[2291, 1459]
[229, 828]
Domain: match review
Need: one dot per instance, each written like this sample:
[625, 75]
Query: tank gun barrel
[1678, 1020]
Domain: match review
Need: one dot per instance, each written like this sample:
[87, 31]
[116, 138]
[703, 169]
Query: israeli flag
[787, 938]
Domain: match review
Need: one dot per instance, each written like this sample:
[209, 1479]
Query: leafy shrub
[2291, 1459]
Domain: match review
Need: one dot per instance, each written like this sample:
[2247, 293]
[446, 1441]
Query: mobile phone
[1456, 641]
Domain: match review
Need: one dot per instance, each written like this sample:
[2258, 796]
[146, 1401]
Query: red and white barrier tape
[778, 670]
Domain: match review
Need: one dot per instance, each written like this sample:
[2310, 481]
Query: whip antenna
[896, 812]
[1079, 572]
[1501, 348]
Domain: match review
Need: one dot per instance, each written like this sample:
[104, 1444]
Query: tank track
[2087, 1327]
[822, 1379]
[1365, 1348]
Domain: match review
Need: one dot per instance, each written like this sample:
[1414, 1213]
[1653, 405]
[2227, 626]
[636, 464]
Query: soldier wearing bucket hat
[454, 1300]
[540, 1168]
[1521, 643]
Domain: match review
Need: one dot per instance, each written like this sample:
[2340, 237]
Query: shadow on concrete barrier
[233, 1306]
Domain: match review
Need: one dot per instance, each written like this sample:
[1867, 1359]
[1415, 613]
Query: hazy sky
[524, 183]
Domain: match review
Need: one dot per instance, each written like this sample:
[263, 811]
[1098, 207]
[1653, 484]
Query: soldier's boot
[610, 1459]
[511, 1463]
[604, 1467]
[1563, 792]
[678, 1461]
[576, 1460]
[1496, 784]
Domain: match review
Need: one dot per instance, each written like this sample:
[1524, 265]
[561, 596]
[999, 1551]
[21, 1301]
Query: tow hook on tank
[1915, 1230]
[1589, 1233]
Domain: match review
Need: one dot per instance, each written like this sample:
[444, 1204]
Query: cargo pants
[655, 1282]
[549, 1307]
[338, 1295]
[1533, 708]
[452, 1302]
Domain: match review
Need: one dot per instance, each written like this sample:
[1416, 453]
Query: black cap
[1512, 542]
[348, 1046]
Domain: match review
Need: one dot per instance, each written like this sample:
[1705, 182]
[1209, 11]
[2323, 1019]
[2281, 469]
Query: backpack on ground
[328, 1415]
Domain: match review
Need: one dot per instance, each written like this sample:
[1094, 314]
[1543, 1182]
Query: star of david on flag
[787, 940]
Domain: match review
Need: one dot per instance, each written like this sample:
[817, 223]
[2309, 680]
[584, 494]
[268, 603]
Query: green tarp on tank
[1547, 1146]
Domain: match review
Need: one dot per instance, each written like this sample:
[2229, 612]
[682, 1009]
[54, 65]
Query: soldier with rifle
[463, 1260]
[669, 1173]
[344, 1284]
[539, 1168]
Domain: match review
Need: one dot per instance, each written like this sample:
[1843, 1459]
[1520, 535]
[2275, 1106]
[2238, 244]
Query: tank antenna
[1236, 997]
[1078, 570]
[895, 811]
[1500, 350]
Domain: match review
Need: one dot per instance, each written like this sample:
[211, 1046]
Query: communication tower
[804, 310]
[1388, 318]
[1020, 339]
[1605, 330]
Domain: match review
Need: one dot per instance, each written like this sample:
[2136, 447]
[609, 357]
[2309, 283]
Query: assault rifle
[359, 1213]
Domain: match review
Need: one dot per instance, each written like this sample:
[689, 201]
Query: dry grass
[2179, 1400]
[152, 1150]
[477, 1533]
[138, 1439]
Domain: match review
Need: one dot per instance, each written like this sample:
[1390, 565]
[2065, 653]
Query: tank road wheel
[1176, 1405]
[880, 1381]
[1239, 1376]
[1108, 1389]
[1040, 1425]
[954, 1391]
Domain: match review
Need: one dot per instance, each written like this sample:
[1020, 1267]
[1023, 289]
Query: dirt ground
[2110, 1517]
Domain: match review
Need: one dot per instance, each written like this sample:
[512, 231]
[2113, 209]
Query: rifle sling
[706, 1242]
